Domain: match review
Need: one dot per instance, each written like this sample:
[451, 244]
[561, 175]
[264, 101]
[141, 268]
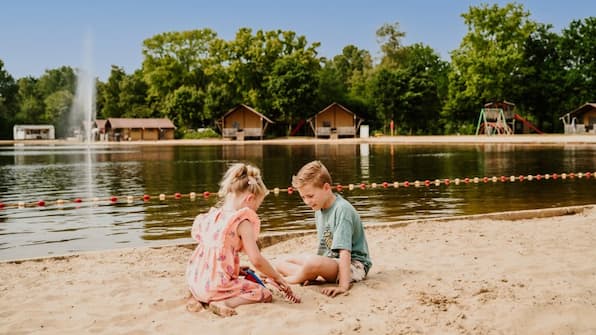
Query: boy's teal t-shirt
[339, 227]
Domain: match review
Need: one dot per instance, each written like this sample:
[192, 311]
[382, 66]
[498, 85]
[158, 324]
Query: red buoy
[385, 184]
[177, 195]
[113, 200]
[41, 203]
[146, 197]
[206, 194]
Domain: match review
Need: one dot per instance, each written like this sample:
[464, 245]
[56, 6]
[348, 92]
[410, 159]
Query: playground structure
[499, 118]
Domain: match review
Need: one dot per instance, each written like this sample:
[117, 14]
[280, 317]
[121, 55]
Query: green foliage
[578, 53]
[57, 111]
[201, 133]
[489, 62]
[194, 77]
[8, 102]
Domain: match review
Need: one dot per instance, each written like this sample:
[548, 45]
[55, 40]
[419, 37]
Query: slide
[527, 123]
[297, 128]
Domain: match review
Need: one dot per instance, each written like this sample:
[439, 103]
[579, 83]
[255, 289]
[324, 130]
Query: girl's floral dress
[213, 268]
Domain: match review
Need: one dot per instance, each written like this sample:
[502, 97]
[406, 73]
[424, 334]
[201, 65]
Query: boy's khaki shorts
[357, 270]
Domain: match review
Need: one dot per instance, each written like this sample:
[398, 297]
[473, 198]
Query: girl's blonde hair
[313, 173]
[241, 178]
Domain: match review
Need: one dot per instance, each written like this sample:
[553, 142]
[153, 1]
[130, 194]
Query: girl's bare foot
[193, 305]
[220, 308]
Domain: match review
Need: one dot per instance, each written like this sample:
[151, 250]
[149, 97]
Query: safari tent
[335, 121]
[581, 120]
[243, 121]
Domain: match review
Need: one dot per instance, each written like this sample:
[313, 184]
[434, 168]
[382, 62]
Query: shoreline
[414, 139]
[508, 274]
[268, 239]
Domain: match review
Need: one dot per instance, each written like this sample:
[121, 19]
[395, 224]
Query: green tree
[578, 53]
[132, 98]
[541, 95]
[488, 64]
[389, 36]
[293, 86]
[8, 102]
[108, 94]
[176, 59]
[57, 108]
[31, 104]
[184, 106]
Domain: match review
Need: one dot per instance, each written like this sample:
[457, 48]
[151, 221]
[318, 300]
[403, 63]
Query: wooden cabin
[243, 122]
[581, 120]
[100, 130]
[335, 121]
[133, 129]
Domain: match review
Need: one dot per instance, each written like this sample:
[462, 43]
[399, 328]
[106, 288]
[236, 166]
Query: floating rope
[339, 187]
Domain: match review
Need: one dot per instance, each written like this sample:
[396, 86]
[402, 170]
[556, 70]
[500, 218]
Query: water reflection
[28, 174]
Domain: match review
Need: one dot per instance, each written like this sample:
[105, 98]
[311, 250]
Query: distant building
[581, 120]
[100, 130]
[33, 132]
[335, 121]
[136, 129]
[243, 121]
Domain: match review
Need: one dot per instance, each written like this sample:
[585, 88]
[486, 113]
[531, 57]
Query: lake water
[58, 175]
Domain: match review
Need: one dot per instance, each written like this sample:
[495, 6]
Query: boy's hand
[333, 291]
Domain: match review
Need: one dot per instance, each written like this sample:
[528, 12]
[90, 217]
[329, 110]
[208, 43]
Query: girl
[213, 271]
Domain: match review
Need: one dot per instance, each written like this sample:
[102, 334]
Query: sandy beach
[529, 272]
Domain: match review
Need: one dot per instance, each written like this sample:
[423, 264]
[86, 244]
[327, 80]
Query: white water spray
[82, 113]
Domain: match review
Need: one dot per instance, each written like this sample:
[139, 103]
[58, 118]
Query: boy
[342, 256]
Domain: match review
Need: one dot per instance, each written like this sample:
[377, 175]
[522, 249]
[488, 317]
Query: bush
[191, 134]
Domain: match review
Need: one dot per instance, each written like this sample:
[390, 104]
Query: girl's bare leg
[227, 307]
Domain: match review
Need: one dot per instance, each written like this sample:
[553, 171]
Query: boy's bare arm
[343, 275]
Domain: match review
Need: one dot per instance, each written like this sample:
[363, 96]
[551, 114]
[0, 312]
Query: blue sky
[36, 35]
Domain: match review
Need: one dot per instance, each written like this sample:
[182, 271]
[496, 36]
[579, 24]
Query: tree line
[194, 77]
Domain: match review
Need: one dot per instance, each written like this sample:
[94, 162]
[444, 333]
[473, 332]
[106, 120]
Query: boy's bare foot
[220, 308]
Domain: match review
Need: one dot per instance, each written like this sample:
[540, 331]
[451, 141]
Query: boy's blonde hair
[313, 173]
[240, 178]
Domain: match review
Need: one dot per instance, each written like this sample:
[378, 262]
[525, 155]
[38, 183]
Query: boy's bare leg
[289, 265]
[312, 267]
